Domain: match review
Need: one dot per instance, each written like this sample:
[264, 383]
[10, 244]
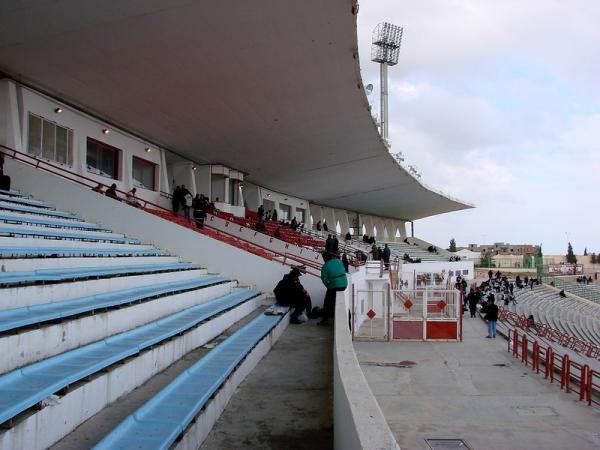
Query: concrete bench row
[8, 279]
[164, 418]
[25, 387]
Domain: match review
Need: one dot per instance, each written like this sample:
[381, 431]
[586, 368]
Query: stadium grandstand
[132, 317]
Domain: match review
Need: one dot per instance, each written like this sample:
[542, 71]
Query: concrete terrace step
[75, 273]
[24, 388]
[37, 294]
[17, 218]
[167, 415]
[23, 346]
[9, 206]
[22, 264]
[25, 201]
[56, 233]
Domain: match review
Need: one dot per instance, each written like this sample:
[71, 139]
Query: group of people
[290, 292]
[111, 192]
[272, 216]
[381, 254]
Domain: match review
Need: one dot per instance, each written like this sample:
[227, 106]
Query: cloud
[498, 103]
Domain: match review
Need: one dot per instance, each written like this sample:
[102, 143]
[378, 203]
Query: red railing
[547, 332]
[532, 353]
[154, 208]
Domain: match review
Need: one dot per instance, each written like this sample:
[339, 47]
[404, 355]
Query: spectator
[131, 199]
[176, 199]
[99, 188]
[268, 216]
[274, 215]
[562, 293]
[325, 227]
[4, 179]
[319, 226]
[490, 274]
[261, 211]
[277, 232]
[329, 244]
[290, 292]
[112, 192]
[472, 300]
[386, 253]
[260, 226]
[335, 244]
[334, 278]
[491, 316]
[530, 321]
[345, 262]
[348, 237]
[199, 205]
[186, 201]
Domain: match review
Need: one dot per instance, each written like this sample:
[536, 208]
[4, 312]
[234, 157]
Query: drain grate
[447, 444]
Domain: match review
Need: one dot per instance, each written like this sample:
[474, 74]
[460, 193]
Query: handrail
[554, 362]
[546, 331]
[42, 164]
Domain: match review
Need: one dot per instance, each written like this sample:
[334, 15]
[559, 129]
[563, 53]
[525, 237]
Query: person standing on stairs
[333, 276]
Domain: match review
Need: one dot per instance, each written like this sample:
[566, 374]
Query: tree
[452, 247]
[486, 260]
[585, 252]
[571, 258]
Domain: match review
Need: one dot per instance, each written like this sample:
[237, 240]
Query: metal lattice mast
[385, 51]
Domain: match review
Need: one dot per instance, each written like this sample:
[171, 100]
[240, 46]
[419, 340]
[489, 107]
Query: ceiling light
[58, 110]
[194, 168]
[268, 195]
[148, 149]
[105, 131]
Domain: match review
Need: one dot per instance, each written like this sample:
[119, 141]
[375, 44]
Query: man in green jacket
[333, 275]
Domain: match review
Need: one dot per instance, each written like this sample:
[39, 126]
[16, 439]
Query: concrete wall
[217, 256]
[358, 420]
[17, 102]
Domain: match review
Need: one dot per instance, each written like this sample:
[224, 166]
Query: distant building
[501, 248]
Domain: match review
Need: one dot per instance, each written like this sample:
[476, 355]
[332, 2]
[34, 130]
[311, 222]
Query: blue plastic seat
[23, 388]
[37, 252]
[158, 423]
[25, 201]
[36, 220]
[60, 234]
[45, 212]
[74, 273]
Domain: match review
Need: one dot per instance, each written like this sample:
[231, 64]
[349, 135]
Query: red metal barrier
[587, 387]
[544, 330]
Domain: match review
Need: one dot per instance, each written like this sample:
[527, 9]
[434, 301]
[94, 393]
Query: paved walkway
[474, 391]
[286, 401]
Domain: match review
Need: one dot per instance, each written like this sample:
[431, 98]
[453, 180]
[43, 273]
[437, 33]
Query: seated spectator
[131, 199]
[260, 226]
[290, 292]
[99, 188]
[277, 232]
[530, 321]
[562, 293]
[348, 237]
[294, 224]
[325, 227]
[112, 192]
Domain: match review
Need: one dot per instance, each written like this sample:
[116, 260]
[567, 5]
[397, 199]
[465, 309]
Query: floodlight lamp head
[386, 43]
[369, 89]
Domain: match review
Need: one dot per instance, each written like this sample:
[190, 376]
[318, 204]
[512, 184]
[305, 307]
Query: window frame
[154, 187]
[44, 123]
[117, 158]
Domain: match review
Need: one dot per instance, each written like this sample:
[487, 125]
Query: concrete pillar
[10, 126]
[317, 214]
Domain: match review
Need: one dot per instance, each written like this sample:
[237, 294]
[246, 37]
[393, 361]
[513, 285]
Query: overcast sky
[498, 103]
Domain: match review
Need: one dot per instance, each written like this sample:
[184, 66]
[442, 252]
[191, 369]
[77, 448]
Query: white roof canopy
[271, 88]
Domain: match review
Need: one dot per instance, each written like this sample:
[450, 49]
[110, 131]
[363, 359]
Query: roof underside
[271, 88]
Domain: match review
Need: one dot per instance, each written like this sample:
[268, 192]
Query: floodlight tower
[385, 51]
